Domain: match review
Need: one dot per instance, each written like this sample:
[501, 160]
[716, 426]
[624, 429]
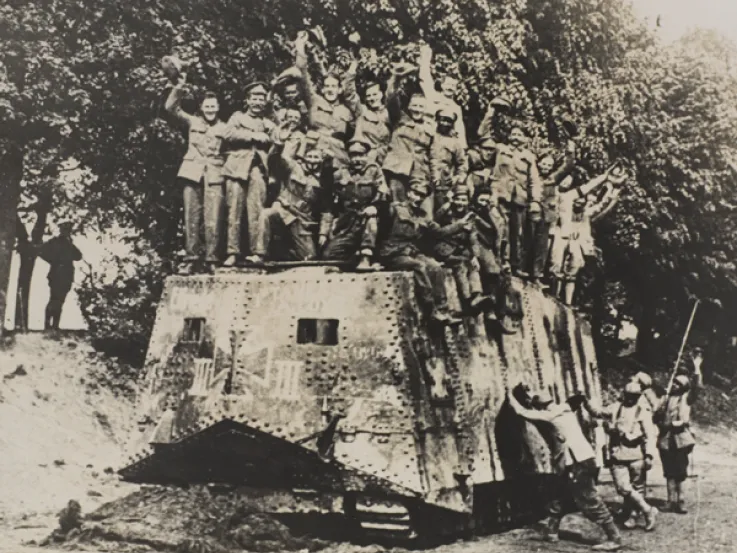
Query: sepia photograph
[366, 276]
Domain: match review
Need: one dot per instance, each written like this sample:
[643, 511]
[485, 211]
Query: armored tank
[327, 392]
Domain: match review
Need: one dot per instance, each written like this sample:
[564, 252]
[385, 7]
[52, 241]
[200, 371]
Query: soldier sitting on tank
[408, 229]
[359, 193]
[450, 159]
[460, 251]
[295, 213]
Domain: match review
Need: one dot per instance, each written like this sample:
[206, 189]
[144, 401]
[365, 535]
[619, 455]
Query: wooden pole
[680, 351]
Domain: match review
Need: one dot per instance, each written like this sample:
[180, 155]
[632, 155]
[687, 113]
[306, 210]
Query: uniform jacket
[459, 245]
[244, 145]
[353, 192]
[409, 229]
[375, 127]
[632, 434]
[675, 418]
[301, 195]
[410, 150]
[204, 158]
[60, 254]
[515, 177]
[450, 158]
[551, 184]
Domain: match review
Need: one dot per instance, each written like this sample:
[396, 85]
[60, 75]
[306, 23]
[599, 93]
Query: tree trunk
[27, 253]
[11, 173]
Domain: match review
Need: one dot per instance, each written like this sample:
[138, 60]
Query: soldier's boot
[364, 263]
[614, 539]
[638, 500]
[442, 317]
[231, 261]
[650, 519]
[679, 506]
[255, 259]
[479, 303]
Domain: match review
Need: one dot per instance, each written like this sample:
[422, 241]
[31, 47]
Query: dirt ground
[60, 437]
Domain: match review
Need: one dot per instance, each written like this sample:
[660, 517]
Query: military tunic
[450, 164]
[372, 126]
[409, 159]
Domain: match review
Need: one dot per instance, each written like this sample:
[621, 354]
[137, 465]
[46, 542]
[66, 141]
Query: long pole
[680, 351]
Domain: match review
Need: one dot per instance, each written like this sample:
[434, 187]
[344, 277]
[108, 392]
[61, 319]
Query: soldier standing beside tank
[329, 119]
[632, 445]
[676, 441]
[573, 457]
[360, 193]
[540, 230]
[201, 177]
[408, 229]
[249, 138]
[451, 160]
[460, 252]
[294, 216]
[60, 253]
[518, 185]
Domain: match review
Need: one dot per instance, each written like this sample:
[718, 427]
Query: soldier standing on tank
[573, 457]
[517, 183]
[675, 440]
[540, 230]
[451, 160]
[295, 214]
[373, 123]
[249, 137]
[410, 161]
[287, 94]
[60, 253]
[329, 119]
[360, 194]
[632, 445]
[408, 230]
[460, 251]
[201, 177]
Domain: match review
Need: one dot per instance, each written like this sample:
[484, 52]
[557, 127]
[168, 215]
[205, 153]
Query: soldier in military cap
[200, 176]
[360, 192]
[249, 137]
[329, 119]
[408, 230]
[449, 153]
[295, 214]
[287, 94]
[409, 161]
[460, 251]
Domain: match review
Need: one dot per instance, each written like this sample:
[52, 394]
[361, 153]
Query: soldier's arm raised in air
[427, 84]
[600, 208]
[301, 63]
[486, 128]
[350, 92]
[173, 104]
[564, 169]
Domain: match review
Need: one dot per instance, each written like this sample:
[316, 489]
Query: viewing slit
[323, 332]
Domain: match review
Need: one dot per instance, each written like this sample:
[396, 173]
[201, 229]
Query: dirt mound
[188, 521]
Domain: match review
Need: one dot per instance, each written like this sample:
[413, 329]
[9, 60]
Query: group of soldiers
[638, 425]
[383, 178]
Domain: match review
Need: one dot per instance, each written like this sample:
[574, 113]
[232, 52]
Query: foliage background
[82, 91]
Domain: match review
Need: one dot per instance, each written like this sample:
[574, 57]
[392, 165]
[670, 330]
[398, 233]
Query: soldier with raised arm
[632, 446]
[295, 214]
[248, 137]
[351, 224]
[329, 119]
[201, 177]
[516, 182]
[676, 440]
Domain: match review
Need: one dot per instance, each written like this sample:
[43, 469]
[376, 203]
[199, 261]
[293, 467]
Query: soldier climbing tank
[326, 392]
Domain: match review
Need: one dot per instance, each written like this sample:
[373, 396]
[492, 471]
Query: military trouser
[203, 206]
[429, 278]
[518, 235]
[675, 463]
[580, 483]
[297, 237]
[57, 296]
[249, 197]
[359, 235]
[629, 479]
[539, 240]
[468, 280]
[400, 184]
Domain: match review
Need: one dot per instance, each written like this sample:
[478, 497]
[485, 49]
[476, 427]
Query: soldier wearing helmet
[632, 444]
[676, 441]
